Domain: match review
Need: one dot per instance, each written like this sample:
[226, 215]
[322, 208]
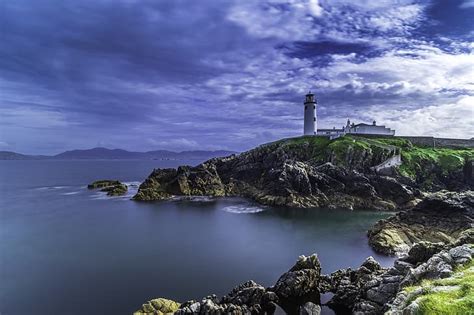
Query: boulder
[309, 308]
[158, 306]
[422, 251]
[300, 281]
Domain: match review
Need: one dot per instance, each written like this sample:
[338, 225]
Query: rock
[461, 254]
[248, 293]
[111, 187]
[422, 251]
[441, 265]
[309, 308]
[371, 264]
[369, 289]
[299, 285]
[443, 217]
[158, 306]
[103, 183]
[300, 281]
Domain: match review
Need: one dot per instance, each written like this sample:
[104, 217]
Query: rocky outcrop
[111, 187]
[302, 172]
[300, 284]
[296, 292]
[445, 217]
[369, 289]
[440, 266]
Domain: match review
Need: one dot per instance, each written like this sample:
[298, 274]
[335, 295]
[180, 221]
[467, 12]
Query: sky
[228, 74]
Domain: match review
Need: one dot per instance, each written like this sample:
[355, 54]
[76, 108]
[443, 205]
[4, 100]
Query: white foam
[100, 196]
[241, 209]
[71, 193]
[193, 198]
[50, 187]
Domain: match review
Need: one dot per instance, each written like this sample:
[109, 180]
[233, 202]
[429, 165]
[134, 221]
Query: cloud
[467, 4]
[185, 74]
[454, 120]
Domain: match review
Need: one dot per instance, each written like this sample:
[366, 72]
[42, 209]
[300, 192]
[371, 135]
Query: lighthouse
[310, 121]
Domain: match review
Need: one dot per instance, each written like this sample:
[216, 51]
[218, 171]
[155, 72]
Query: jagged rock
[300, 282]
[441, 217]
[422, 251]
[309, 308]
[248, 293]
[369, 289]
[440, 265]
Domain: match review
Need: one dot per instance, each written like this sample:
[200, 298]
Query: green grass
[458, 300]
[423, 164]
[419, 162]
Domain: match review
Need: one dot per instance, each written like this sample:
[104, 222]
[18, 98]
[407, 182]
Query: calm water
[67, 250]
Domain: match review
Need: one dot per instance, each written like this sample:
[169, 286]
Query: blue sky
[185, 75]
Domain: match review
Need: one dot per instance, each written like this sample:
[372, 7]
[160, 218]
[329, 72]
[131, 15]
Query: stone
[301, 280]
[309, 308]
[422, 251]
[159, 306]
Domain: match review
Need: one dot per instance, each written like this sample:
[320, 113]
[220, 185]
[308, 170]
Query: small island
[111, 187]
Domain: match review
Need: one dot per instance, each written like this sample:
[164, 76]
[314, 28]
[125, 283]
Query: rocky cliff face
[300, 172]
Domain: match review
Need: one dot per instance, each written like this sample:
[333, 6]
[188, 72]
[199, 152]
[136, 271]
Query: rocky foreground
[352, 173]
[369, 289]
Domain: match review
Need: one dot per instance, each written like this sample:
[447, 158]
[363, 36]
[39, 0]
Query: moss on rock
[453, 295]
[158, 306]
[111, 187]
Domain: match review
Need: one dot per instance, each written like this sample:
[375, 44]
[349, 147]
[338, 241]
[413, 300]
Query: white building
[310, 124]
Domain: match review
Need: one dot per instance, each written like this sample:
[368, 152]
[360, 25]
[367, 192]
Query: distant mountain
[119, 154]
[8, 155]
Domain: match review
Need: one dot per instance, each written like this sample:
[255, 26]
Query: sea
[65, 249]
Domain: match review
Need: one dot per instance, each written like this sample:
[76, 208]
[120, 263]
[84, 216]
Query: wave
[241, 209]
[71, 193]
[51, 187]
[193, 198]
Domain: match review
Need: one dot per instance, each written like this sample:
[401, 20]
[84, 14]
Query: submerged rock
[445, 217]
[111, 187]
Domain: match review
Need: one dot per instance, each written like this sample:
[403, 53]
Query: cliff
[317, 172]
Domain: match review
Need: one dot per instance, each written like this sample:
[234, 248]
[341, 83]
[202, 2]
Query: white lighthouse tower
[310, 121]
